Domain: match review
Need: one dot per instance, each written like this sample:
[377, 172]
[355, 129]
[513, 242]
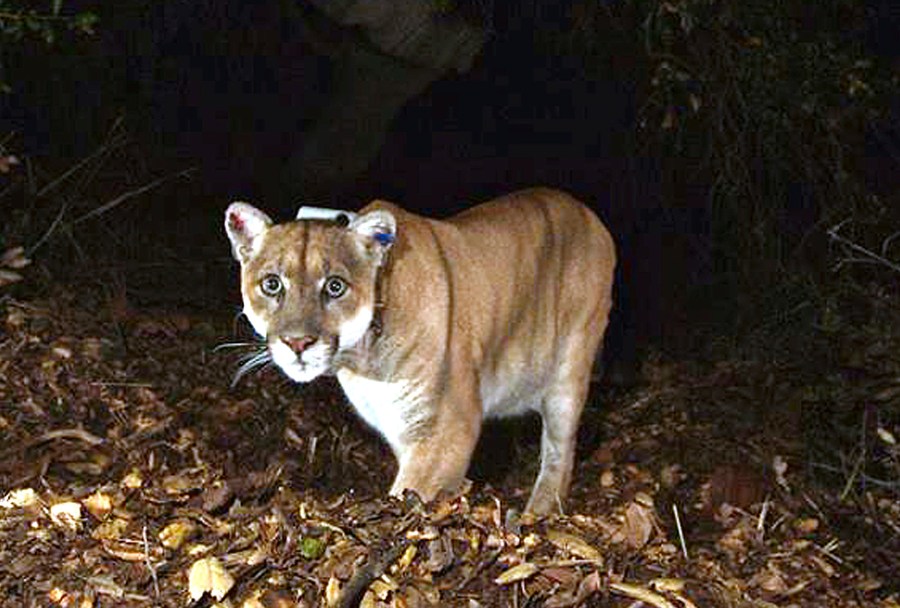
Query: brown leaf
[66, 515]
[111, 529]
[807, 525]
[638, 523]
[332, 592]
[174, 534]
[517, 573]
[739, 486]
[208, 575]
[217, 497]
[8, 277]
[14, 257]
[573, 544]
[440, 554]
[639, 593]
[98, 504]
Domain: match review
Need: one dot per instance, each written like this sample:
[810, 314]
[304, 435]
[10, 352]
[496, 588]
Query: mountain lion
[432, 325]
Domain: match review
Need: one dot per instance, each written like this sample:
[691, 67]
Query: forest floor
[133, 474]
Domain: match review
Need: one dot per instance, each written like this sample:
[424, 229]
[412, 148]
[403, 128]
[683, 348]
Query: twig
[886, 243]
[857, 467]
[362, 578]
[129, 195]
[761, 522]
[680, 531]
[828, 550]
[123, 384]
[62, 211]
[147, 561]
[79, 434]
[881, 483]
[107, 147]
[22, 16]
[833, 233]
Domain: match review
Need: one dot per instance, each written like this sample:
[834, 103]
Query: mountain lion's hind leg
[560, 412]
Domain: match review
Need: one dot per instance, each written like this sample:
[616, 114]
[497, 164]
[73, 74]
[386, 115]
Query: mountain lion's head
[309, 286]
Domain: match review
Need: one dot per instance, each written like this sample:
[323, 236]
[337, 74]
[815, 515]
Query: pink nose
[298, 345]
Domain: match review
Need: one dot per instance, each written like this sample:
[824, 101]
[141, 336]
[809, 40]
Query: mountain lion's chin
[299, 372]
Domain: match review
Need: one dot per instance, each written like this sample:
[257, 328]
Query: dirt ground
[133, 474]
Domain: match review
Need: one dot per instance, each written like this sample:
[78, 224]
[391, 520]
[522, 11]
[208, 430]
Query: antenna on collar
[323, 213]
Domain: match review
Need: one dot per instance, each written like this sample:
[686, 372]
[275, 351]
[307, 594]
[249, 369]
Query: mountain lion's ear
[378, 226]
[244, 223]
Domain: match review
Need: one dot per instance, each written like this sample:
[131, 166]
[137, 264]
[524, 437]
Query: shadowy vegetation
[773, 107]
[770, 110]
[21, 25]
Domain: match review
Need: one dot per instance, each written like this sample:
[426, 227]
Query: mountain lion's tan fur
[431, 326]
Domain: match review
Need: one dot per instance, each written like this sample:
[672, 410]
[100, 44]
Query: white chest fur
[391, 408]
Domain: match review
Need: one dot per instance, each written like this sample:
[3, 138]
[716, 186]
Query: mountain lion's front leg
[440, 459]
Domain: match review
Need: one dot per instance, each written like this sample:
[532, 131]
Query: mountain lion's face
[309, 287]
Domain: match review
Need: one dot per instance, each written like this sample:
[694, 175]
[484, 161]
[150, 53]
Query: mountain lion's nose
[298, 345]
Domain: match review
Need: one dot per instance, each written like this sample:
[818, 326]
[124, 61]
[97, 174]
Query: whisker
[226, 345]
[250, 362]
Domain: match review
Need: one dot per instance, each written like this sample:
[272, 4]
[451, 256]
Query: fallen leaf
[575, 545]
[381, 589]
[312, 548]
[779, 465]
[807, 525]
[406, 559]
[607, 479]
[427, 533]
[560, 575]
[66, 515]
[125, 549]
[111, 529]
[639, 593]
[174, 534]
[253, 602]
[637, 524]
[14, 257]
[7, 162]
[8, 277]
[769, 579]
[208, 575]
[133, 480]
[368, 600]
[671, 476]
[58, 596]
[98, 504]
[667, 584]
[25, 497]
[886, 436]
[517, 573]
[440, 555]
[332, 591]
[739, 486]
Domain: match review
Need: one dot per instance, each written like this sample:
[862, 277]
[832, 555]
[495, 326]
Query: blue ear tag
[384, 238]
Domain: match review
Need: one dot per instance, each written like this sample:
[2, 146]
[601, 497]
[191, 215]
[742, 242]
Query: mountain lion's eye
[335, 287]
[271, 285]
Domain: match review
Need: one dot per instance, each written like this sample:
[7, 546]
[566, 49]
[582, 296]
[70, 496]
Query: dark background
[241, 91]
